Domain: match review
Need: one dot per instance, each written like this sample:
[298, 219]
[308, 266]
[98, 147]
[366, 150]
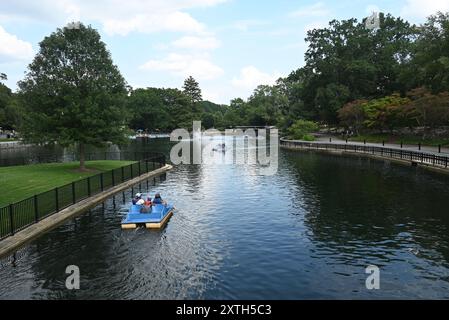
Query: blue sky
[229, 46]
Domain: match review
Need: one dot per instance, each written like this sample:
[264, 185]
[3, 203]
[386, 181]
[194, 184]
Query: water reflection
[307, 232]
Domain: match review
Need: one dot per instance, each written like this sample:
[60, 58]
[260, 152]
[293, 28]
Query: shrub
[302, 129]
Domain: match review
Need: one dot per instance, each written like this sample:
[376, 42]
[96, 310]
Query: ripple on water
[307, 232]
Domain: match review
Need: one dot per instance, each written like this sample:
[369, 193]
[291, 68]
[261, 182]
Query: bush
[302, 129]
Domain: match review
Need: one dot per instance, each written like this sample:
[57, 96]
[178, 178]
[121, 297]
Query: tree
[302, 130]
[428, 110]
[352, 115]
[148, 110]
[431, 58]
[345, 62]
[192, 89]
[10, 114]
[73, 93]
[5, 100]
[208, 120]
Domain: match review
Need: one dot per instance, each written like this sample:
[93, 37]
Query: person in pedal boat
[158, 199]
[143, 207]
[137, 198]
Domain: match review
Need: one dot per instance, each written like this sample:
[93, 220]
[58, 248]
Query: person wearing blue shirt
[158, 199]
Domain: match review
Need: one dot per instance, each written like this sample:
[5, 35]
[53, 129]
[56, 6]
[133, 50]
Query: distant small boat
[220, 148]
[156, 219]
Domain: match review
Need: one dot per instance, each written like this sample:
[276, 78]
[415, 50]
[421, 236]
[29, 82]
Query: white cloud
[251, 77]
[173, 21]
[421, 9]
[200, 67]
[245, 25]
[116, 16]
[197, 43]
[12, 48]
[318, 9]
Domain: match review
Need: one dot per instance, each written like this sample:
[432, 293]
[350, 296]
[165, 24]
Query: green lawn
[7, 140]
[388, 138]
[20, 182]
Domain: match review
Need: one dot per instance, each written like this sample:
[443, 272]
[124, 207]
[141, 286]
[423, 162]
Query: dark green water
[307, 232]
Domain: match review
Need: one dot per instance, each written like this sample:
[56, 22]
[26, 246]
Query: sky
[229, 46]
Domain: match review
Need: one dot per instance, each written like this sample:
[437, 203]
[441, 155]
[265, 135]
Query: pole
[36, 209]
[57, 199]
[73, 193]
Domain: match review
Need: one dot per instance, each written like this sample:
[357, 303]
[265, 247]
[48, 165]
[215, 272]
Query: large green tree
[73, 93]
[346, 61]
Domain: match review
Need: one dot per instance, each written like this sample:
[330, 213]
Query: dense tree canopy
[10, 117]
[73, 93]
[162, 110]
[360, 78]
[394, 76]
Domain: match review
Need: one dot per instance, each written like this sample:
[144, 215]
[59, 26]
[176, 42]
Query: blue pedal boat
[157, 219]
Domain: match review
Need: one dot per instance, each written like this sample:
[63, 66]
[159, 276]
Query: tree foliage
[73, 93]
[302, 129]
[192, 90]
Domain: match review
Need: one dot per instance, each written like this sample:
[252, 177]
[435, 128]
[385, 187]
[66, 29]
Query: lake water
[307, 232]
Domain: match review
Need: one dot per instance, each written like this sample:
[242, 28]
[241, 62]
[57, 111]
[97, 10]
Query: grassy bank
[388, 138]
[7, 140]
[20, 182]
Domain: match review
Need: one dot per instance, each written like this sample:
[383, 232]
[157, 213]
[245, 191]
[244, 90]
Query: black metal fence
[401, 154]
[18, 216]
[70, 157]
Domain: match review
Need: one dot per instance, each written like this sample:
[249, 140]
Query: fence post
[102, 181]
[73, 193]
[123, 173]
[140, 172]
[113, 178]
[11, 219]
[439, 148]
[146, 165]
[402, 144]
[57, 199]
[419, 146]
[89, 191]
[36, 209]
[132, 171]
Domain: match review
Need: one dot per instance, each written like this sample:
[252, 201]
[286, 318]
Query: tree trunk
[82, 157]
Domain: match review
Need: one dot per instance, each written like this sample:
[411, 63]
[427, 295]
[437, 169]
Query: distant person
[148, 202]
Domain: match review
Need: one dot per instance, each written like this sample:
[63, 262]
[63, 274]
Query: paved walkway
[426, 149]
